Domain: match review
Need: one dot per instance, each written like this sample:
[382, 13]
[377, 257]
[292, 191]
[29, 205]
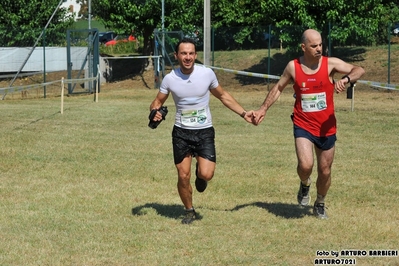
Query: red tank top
[314, 102]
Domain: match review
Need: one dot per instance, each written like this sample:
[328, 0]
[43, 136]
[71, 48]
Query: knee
[183, 179]
[324, 172]
[305, 167]
[206, 174]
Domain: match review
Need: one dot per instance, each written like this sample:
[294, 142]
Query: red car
[119, 39]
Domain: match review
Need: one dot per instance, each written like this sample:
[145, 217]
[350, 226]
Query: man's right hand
[156, 116]
[258, 116]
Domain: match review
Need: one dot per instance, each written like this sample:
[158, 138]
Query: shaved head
[310, 34]
[312, 44]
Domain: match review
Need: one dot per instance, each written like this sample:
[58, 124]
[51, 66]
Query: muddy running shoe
[303, 195]
[189, 217]
[319, 210]
[200, 184]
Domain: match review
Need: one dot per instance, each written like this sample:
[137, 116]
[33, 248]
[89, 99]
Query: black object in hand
[154, 124]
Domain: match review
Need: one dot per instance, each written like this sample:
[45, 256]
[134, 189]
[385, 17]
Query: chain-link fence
[36, 66]
[278, 43]
[283, 43]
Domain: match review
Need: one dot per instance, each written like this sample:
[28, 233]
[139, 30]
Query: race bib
[192, 118]
[314, 102]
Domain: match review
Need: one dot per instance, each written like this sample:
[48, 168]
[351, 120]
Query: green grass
[96, 186]
[121, 49]
[84, 24]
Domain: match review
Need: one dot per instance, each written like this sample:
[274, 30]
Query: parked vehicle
[104, 37]
[119, 39]
[395, 28]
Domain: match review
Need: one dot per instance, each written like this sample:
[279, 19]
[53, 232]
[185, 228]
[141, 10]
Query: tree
[22, 22]
[351, 22]
[143, 16]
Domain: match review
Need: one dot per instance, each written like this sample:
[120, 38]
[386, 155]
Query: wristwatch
[347, 77]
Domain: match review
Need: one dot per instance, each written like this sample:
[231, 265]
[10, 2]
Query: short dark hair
[185, 40]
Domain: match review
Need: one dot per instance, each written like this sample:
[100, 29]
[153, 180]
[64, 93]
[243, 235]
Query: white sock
[320, 198]
[307, 182]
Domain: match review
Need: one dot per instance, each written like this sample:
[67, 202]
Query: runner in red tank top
[314, 119]
[314, 102]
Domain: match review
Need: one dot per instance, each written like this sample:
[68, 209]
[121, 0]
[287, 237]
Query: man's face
[313, 46]
[186, 57]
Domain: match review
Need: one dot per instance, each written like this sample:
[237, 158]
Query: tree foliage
[143, 16]
[350, 22]
[237, 21]
[22, 22]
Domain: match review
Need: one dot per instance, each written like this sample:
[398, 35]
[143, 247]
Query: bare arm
[351, 73]
[231, 103]
[275, 92]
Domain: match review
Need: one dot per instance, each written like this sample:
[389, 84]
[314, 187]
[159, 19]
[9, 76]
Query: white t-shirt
[191, 96]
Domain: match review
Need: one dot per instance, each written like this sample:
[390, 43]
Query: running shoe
[319, 210]
[200, 184]
[189, 217]
[303, 195]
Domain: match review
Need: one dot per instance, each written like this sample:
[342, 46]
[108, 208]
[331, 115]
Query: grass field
[83, 24]
[96, 186]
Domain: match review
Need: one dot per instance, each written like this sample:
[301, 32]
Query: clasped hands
[255, 117]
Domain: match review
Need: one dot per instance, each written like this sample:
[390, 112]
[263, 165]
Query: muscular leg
[206, 168]
[183, 182]
[304, 153]
[324, 163]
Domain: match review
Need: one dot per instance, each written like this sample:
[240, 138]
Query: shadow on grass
[288, 211]
[173, 211]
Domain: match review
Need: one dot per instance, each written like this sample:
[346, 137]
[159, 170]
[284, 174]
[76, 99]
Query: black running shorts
[196, 142]
[323, 143]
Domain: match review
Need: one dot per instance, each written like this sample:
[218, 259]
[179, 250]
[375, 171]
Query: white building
[72, 6]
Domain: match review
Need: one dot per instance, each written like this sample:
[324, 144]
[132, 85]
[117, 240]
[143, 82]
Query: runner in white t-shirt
[193, 133]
